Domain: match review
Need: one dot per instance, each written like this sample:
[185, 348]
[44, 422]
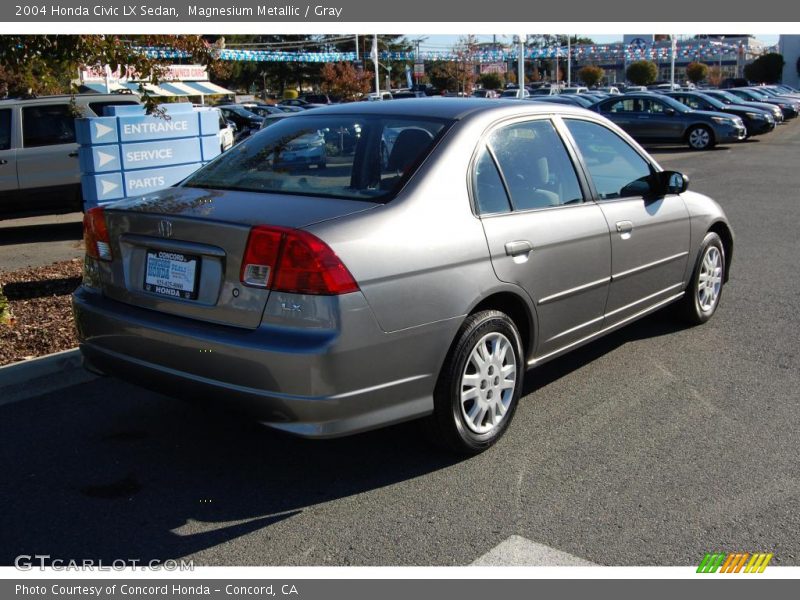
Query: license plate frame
[179, 280]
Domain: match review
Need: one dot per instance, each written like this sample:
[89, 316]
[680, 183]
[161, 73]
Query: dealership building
[789, 46]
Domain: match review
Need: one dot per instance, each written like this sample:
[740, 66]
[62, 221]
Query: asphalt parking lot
[649, 447]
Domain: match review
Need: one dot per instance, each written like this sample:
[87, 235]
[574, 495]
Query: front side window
[627, 105]
[47, 125]
[618, 171]
[340, 156]
[535, 165]
[5, 129]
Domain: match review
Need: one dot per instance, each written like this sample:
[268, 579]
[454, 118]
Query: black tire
[703, 132]
[448, 425]
[690, 307]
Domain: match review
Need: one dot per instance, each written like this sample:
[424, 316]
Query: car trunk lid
[180, 251]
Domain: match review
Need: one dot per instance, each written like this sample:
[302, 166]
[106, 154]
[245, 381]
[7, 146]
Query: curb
[31, 378]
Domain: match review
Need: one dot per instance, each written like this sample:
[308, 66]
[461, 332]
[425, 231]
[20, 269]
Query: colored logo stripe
[733, 562]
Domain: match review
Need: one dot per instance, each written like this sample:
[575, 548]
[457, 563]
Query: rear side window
[341, 156]
[490, 193]
[535, 165]
[5, 129]
[47, 125]
[618, 171]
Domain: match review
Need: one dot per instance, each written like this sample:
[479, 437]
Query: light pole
[673, 45]
[521, 65]
[569, 60]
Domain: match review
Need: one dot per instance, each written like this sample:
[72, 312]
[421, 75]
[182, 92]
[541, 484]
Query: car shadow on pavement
[655, 325]
[34, 234]
[107, 471]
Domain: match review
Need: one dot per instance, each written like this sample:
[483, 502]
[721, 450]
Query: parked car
[569, 100]
[657, 118]
[39, 170]
[299, 103]
[227, 133]
[515, 93]
[789, 108]
[329, 302]
[372, 97]
[610, 89]
[318, 99]
[726, 97]
[574, 90]
[485, 94]
[549, 90]
[246, 121]
[262, 110]
[635, 88]
[756, 121]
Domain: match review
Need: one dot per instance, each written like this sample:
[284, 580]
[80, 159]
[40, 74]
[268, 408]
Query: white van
[39, 170]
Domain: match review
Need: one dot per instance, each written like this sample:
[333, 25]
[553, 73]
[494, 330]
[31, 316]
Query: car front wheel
[700, 138]
[480, 384]
[705, 289]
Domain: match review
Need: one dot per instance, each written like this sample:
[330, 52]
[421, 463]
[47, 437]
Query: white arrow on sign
[104, 158]
[108, 186]
[100, 130]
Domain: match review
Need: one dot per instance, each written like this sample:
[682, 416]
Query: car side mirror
[671, 182]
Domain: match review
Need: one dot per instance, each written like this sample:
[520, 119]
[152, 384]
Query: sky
[445, 42]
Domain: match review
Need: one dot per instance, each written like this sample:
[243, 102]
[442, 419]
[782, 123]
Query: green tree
[696, 71]
[642, 72]
[767, 68]
[491, 81]
[591, 75]
[46, 64]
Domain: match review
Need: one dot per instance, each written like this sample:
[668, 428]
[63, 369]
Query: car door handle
[518, 247]
[624, 228]
[3, 161]
[73, 154]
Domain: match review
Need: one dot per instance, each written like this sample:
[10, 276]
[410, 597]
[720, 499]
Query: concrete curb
[30, 378]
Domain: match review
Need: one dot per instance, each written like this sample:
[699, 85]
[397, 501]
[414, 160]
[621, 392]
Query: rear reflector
[95, 234]
[291, 260]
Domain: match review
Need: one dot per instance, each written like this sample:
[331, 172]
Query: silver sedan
[361, 291]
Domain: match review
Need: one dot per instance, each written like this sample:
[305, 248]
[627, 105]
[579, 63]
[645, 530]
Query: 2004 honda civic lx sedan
[496, 236]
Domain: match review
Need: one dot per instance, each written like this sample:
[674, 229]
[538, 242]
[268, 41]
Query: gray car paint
[326, 366]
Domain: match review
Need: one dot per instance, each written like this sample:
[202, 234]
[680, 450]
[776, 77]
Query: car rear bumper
[313, 383]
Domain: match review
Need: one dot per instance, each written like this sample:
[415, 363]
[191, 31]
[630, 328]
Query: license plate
[172, 274]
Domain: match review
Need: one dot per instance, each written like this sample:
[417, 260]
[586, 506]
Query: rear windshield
[339, 156]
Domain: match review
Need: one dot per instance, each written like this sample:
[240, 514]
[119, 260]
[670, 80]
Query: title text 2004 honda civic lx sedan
[331, 300]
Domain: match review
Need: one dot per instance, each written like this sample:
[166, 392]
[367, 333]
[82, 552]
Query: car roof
[441, 108]
[68, 98]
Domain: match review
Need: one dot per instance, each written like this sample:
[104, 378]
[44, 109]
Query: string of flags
[703, 49]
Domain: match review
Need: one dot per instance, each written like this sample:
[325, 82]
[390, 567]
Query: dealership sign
[127, 153]
[127, 74]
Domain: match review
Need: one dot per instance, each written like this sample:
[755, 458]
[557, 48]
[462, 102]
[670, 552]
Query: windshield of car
[242, 112]
[730, 98]
[711, 100]
[339, 156]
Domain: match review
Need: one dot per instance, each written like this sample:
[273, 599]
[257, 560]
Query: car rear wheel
[705, 289]
[700, 138]
[480, 384]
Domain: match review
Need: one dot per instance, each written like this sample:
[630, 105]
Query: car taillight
[290, 260]
[95, 234]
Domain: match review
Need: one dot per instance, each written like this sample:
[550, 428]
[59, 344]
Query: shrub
[591, 75]
[491, 81]
[642, 72]
[696, 71]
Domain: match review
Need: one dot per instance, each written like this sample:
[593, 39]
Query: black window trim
[583, 183]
